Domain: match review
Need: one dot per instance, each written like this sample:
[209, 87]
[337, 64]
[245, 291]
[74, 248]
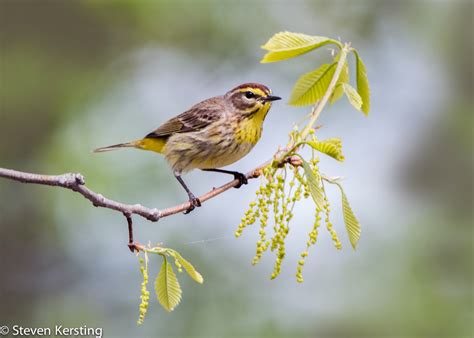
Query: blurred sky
[75, 75]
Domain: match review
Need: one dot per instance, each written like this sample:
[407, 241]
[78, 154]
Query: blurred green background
[75, 75]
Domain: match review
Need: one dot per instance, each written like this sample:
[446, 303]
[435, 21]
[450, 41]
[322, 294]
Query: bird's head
[251, 98]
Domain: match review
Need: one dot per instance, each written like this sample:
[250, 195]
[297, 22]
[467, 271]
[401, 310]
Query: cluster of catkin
[280, 189]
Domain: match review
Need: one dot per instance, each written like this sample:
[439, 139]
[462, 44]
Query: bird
[212, 134]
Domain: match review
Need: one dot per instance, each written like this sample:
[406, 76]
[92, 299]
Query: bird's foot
[194, 202]
[242, 179]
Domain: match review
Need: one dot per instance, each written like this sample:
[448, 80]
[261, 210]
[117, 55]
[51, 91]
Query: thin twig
[318, 108]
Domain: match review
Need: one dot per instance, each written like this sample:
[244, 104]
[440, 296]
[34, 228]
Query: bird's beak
[270, 98]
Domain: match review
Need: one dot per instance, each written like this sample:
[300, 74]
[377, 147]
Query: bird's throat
[250, 129]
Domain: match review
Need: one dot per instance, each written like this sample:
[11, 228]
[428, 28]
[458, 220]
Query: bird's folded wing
[198, 117]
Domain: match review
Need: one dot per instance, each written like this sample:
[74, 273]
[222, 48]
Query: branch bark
[76, 182]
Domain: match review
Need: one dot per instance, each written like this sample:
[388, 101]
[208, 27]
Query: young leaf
[362, 84]
[352, 95]
[314, 185]
[286, 45]
[331, 147]
[352, 225]
[167, 287]
[343, 78]
[192, 272]
[311, 87]
[351, 222]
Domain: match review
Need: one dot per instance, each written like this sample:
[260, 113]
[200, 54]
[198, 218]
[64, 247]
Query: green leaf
[343, 78]
[167, 287]
[314, 184]
[362, 84]
[351, 222]
[192, 272]
[286, 45]
[311, 87]
[352, 225]
[352, 95]
[331, 147]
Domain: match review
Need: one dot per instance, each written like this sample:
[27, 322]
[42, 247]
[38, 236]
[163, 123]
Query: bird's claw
[194, 202]
[242, 180]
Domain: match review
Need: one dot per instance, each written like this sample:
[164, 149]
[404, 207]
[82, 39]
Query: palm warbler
[211, 134]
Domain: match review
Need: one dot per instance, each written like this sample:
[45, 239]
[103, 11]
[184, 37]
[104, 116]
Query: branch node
[67, 180]
[295, 161]
[79, 179]
[256, 173]
[135, 247]
[155, 215]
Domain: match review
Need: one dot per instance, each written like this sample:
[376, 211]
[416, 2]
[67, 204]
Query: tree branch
[76, 182]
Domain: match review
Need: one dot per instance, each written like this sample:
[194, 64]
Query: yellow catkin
[251, 215]
[178, 264]
[144, 293]
[273, 197]
[262, 210]
[312, 238]
[303, 183]
[329, 226]
[282, 221]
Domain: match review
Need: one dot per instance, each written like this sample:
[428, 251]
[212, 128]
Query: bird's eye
[249, 95]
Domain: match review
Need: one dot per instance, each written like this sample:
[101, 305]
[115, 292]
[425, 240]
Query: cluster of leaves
[278, 192]
[167, 288]
[311, 87]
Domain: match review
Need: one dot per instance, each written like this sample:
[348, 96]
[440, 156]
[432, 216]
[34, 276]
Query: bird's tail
[133, 144]
[151, 144]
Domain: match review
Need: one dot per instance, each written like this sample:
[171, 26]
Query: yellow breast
[250, 128]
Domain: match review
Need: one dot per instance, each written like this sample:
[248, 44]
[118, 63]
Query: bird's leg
[237, 176]
[195, 202]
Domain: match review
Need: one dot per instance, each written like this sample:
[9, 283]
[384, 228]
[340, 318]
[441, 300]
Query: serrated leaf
[352, 95]
[192, 272]
[351, 222]
[167, 287]
[311, 87]
[286, 45]
[343, 78]
[331, 147]
[352, 225]
[362, 84]
[314, 185]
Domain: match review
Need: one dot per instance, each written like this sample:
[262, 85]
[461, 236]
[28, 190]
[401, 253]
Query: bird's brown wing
[197, 117]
